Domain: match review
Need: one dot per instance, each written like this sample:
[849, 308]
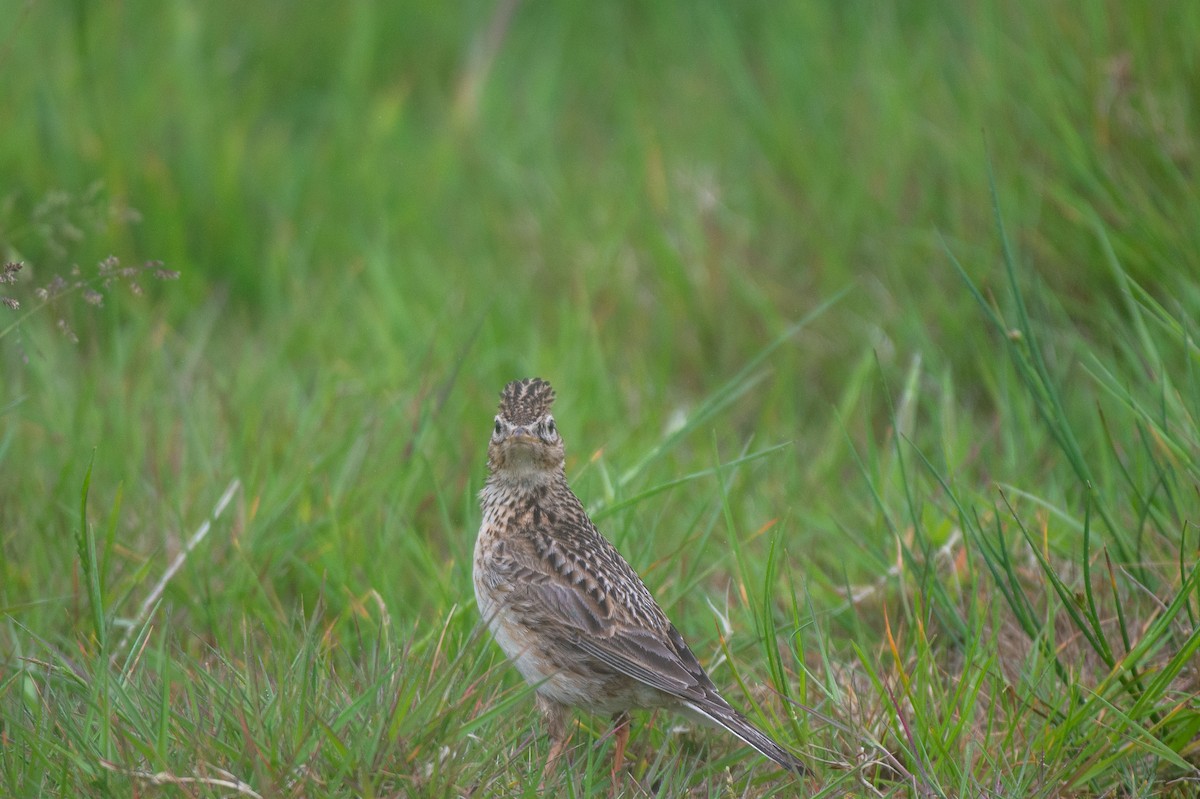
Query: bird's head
[525, 441]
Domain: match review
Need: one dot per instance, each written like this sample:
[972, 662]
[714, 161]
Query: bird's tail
[717, 711]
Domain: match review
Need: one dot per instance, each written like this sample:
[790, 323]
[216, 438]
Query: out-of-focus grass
[941, 539]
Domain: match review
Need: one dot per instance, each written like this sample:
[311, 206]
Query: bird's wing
[604, 610]
[654, 655]
[661, 661]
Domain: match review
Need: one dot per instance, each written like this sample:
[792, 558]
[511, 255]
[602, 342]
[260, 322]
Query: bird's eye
[550, 428]
[498, 429]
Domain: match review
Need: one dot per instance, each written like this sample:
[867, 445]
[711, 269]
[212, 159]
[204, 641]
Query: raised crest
[525, 401]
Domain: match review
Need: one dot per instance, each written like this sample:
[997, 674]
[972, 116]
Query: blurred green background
[381, 212]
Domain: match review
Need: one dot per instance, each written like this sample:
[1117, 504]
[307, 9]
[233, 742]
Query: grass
[874, 330]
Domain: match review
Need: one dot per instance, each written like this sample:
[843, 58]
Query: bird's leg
[621, 734]
[555, 715]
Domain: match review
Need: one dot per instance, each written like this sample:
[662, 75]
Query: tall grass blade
[85, 546]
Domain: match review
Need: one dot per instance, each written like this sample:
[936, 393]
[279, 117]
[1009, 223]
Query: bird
[566, 608]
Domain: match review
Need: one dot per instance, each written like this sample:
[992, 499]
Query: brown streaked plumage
[568, 611]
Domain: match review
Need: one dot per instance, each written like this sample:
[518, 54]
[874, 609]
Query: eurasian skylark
[565, 607]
